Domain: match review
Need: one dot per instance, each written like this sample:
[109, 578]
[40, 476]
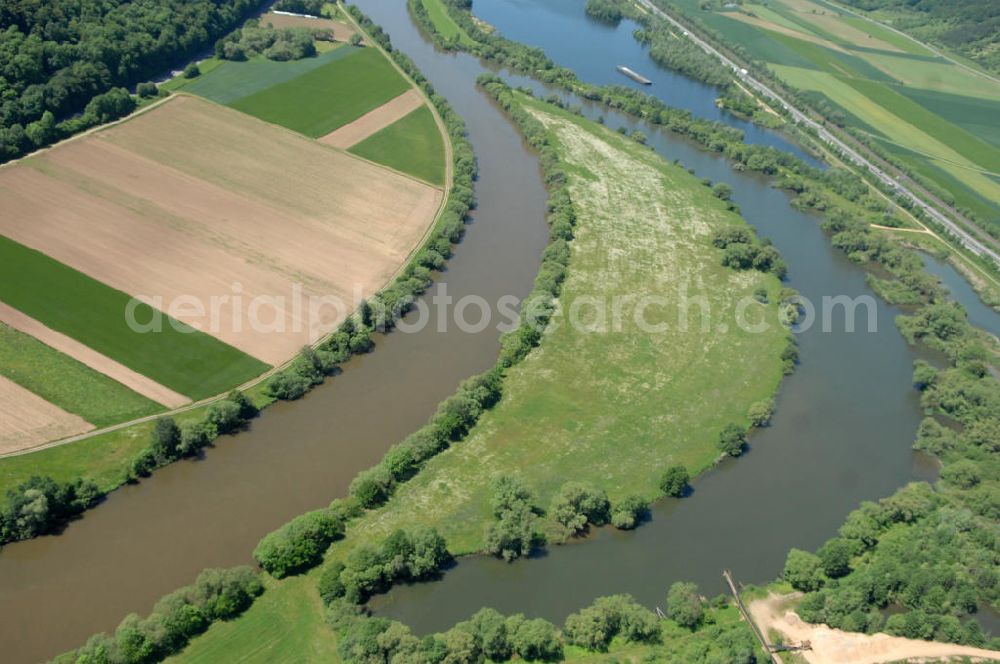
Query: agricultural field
[156, 181]
[90, 308]
[229, 81]
[412, 145]
[30, 420]
[650, 400]
[67, 383]
[340, 30]
[329, 96]
[928, 112]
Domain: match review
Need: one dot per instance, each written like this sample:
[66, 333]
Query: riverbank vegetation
[62, 56]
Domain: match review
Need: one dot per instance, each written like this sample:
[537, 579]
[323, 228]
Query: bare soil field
[29, 420]
[371, 122]
[236, 216]
[81, 353]
[341, 31]
[834, 646]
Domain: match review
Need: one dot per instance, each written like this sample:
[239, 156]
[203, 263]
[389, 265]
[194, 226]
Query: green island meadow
[653, 401]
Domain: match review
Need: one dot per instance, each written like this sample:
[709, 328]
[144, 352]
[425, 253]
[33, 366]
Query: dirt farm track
[197, 200]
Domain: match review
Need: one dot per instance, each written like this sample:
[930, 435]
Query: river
[842, 432]
[148, 539]
[845, 421]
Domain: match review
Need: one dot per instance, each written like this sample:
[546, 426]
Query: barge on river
[638, 78]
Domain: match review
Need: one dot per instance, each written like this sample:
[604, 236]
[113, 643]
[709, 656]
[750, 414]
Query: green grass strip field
[61, 380]
[327, 97]
[190, 362]
[445, 24]
[229, 81]
[412, 144]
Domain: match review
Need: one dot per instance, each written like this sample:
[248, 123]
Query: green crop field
[230, 81]
[412, 144]
[190, 362]
[322, 99]
[61, 380]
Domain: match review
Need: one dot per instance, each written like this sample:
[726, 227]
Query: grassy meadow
[413, 144]
[931, 114]
[610, 408]
[327, 97]
[190, 362]
[61, 380]
[444, 23]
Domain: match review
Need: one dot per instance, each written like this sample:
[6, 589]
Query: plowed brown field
[199, 201]
[375, 120]
[30, 420]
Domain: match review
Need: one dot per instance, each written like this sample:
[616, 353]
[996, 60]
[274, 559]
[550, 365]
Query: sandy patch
[28, 420]
[834, 646]
[374, 120]
[130, 379]
[231, 219]
[341, 31]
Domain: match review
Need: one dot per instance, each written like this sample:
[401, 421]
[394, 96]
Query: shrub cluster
[732, 440]
[170, 441]
[281, 44]
[41, 505]
[217, 594]
[608, 617]
[743, 251]
[627, 514]
[300, 544]
[576, 506]
[514, 533]
[406, 555]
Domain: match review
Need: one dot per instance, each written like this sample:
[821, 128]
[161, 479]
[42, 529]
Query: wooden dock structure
[769, 648]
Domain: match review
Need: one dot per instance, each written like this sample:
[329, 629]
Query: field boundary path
[834, 646]
[99, 362]
[449, 170]
[375, 120]
[966, 238]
